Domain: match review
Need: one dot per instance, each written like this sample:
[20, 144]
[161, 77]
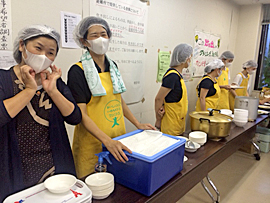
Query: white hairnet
[180, 54]
[212, 65]
[83, 26]
[227, 55]
[250, 63]
[30, 32]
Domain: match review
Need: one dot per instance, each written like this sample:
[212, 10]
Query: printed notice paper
[163, 64]
[68, 23]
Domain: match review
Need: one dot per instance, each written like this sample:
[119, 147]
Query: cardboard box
[248, 148]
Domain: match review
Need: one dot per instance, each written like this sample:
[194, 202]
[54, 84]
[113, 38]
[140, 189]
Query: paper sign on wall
[206, 47]
[68, 23]
[128, 21]
[6, 59]
[5, 26]
[164, 58]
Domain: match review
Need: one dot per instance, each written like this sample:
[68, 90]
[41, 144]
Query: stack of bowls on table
[101, 184]
[199, 137]
[227, 112]
[240, 117]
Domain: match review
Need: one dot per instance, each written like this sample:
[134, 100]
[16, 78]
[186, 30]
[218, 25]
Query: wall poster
[68, 24]
[164, 59]
[5, 25]
[206, 47]
[128, 22]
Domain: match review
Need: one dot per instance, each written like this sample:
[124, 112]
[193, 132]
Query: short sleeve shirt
[78, 85]
[207, 83]
[172, 81]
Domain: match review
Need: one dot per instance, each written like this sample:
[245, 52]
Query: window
[263, 73]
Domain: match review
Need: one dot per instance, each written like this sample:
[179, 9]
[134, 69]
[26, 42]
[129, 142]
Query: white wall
[170, 22]
[248, 38]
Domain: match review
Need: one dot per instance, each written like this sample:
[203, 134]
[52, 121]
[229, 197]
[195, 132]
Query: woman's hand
[49, 79]
[145, 126]
[28, 77]
[116, 149]
[161, 112]
[227, 87]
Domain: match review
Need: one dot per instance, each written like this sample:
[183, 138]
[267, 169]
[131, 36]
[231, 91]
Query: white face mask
[37, 62]
[251, 72]
[228, 64]
[219, 72]
[99, 45]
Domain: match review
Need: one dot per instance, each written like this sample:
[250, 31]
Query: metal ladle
[190, 144]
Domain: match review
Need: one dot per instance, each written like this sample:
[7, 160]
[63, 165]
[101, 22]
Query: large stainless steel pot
[216, 125]
[249, 103]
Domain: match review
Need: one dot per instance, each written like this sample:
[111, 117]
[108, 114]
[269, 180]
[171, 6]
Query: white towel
[93, 80]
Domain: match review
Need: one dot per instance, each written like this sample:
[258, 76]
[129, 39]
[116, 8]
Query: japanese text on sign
[206, 48]
[128, 21]
[5, 25]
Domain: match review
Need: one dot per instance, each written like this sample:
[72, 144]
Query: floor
[239, 179]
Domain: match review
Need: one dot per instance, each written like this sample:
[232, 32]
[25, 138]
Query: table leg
[257, 148]
[208, 191]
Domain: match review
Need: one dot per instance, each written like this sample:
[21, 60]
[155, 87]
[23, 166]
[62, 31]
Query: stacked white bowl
[198, 137]
[101, 184]
[240, 117]
[227, 112]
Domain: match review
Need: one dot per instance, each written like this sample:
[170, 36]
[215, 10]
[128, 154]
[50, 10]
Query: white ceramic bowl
[60, 183]
[103, 192]
[240, 112]
[99, 181]
[239, 123]
[104, 187]
[243, 119]
[198, 136]
[227, 112]
[191, 149]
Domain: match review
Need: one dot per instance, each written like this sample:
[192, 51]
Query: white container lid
[79, 193]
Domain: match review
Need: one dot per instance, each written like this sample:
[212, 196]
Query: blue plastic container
[145, 174]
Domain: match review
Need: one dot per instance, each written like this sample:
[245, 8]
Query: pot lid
[215, 117]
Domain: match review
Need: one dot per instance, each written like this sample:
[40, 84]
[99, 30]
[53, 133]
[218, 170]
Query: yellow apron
[239, 92]
[223, 79]
[212, 101]
[106, 111]
[174, 119]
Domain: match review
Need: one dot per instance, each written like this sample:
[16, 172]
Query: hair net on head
[212, 65]
[180, 54]
[30, 32]
[250, 63]
[227, 55]
[85, 24]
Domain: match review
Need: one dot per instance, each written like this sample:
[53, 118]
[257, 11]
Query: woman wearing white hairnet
[96, 85]
[34, 103]
[171, 103]
[227, 58]
[208, 90]
[241, 79]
